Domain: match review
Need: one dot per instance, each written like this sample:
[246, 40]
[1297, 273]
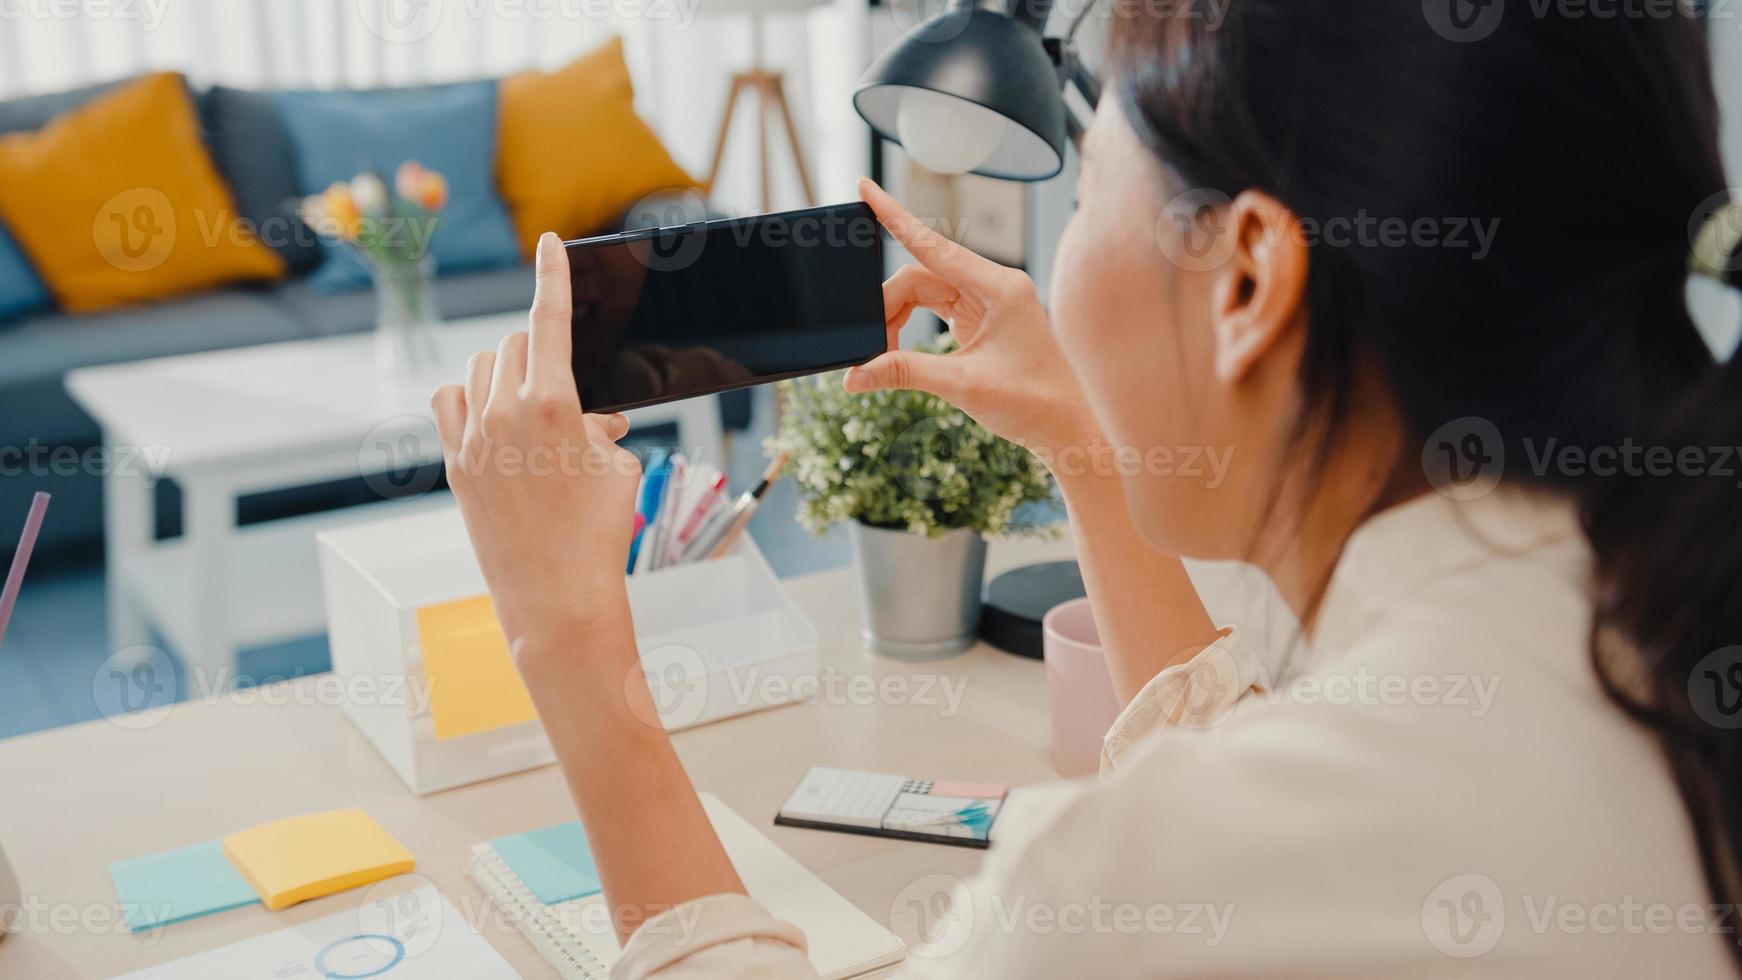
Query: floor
[52, 668]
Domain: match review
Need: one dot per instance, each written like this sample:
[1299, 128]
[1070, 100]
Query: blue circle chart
[359, 956]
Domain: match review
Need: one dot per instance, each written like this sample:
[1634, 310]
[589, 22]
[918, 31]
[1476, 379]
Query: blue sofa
[252, 151]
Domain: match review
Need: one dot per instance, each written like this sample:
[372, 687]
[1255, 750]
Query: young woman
[1448, 452]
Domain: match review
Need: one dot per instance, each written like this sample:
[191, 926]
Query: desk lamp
[981, 89]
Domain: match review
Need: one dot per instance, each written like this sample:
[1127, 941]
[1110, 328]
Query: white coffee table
[229, 423]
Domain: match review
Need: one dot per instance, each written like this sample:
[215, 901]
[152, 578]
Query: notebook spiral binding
[528, 914]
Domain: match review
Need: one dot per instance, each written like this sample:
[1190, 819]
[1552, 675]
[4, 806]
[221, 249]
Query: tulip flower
[343, 217]
[310, 211]
[363, 213]
[432, 192]
[408, 179]
[369, 193]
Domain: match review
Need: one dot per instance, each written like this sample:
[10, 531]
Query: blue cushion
[447, 128]
[21, 291]
[245, 132]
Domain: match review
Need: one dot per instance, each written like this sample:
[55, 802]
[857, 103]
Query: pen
[662, 521]
[709, 532]
[635, 538]
[746, 507]
[652, 490]
[711, 498]
[21, 558]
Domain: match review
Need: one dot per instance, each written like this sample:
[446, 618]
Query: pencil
[21, 559]
[747, 505]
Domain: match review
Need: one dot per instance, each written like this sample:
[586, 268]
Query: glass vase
[405, 318]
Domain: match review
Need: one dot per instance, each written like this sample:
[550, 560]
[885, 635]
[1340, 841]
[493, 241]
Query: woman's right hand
[1008, 373]
[1010, 376]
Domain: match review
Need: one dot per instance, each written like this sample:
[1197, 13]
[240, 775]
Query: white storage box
[717, 638]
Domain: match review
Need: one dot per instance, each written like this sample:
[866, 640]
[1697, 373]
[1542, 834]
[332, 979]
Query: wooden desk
[75, 800]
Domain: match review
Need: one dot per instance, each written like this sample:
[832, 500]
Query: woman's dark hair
[1593, 142]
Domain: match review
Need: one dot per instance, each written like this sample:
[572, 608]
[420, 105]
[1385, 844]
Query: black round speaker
[1018, 600]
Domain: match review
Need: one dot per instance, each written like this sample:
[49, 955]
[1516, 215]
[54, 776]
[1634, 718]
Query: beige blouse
[1437, 789]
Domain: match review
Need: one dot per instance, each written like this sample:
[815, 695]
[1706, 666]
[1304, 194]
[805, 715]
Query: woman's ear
[1257, 294]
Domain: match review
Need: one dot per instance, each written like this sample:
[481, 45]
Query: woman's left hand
[547, 494]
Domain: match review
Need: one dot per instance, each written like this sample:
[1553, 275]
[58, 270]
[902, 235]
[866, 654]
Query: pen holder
[426, 675]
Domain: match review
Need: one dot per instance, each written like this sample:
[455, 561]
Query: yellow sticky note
[299, 858]
[473, 684]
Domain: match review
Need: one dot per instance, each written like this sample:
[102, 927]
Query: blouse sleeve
[722, 937]
[1196, 694]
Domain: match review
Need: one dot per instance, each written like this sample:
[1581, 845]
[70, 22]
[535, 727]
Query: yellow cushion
[571, 154]
[118, 202]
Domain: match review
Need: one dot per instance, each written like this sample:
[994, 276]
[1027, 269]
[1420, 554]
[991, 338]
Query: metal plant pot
[919, 597]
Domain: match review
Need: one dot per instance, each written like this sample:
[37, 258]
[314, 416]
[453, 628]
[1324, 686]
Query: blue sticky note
[178, 885]
[554, 863]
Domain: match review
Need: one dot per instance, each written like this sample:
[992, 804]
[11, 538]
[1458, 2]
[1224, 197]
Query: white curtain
[680, 52]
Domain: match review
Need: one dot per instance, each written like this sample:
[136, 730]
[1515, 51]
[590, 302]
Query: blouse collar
[1410, 546]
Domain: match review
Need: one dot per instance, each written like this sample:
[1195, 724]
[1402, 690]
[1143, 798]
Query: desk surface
[75, 800]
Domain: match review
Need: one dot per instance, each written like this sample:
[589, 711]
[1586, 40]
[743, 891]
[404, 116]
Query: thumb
[609, 427]
[904, 369]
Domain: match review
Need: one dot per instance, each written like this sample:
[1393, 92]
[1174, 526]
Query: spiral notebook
[577, 936]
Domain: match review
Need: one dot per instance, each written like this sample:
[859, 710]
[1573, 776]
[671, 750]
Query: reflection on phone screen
[725, 304]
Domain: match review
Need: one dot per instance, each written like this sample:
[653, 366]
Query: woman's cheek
[1064, 289]
[1083, 307]
[1114, 326]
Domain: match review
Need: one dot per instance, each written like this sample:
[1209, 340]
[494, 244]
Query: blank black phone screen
[665, 314]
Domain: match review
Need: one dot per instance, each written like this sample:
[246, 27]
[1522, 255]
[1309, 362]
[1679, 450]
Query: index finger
[951, 262]
[911, 288]
[549, 347]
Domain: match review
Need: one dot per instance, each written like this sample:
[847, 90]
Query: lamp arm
[1073, 74]
[1031, 13]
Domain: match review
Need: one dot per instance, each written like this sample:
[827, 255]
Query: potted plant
[920, 486]
[391, 230]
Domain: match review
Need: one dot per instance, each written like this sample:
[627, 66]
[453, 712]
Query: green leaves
[900, 459]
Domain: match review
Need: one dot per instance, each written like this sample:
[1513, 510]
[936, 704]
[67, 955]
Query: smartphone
[667, 313]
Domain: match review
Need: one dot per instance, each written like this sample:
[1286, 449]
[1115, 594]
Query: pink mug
[1079, 690]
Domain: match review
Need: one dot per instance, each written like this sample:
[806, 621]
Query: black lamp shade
[985, 58]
